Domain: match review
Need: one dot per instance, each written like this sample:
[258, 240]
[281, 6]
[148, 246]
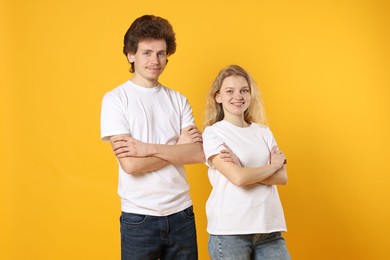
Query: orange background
[322, 66]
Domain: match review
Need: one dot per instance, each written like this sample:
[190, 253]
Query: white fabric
[241, 210]
[152, 115]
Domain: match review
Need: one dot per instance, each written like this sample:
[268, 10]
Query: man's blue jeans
[245, 247]
[145, 237]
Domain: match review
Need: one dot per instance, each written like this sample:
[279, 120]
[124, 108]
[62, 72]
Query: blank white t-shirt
[152, 115]
[241, 210]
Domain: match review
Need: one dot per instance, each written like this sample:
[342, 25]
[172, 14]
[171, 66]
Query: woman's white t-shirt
[241, 210]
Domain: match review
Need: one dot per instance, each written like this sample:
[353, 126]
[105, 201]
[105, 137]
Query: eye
[147, 53]
[245, 91]
[162, 55]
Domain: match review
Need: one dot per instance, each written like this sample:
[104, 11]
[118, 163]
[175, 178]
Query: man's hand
[190, 135]
[126, 146]
[228, 156]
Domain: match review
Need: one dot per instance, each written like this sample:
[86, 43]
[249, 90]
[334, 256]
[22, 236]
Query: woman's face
[234, 96]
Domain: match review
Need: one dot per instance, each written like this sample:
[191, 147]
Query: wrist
[275, 167]
[152, 149]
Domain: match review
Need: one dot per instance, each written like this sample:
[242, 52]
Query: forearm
[278, 178]
[186, 153]
[248, 176]
[133, 165]
[242, 176]
[179, 154]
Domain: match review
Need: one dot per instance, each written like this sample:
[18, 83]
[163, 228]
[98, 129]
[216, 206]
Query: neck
[144, 82]
[240, 122]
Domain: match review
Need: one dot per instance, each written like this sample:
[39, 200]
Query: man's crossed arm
[135, 156]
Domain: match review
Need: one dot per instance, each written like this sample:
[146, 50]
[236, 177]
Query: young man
[153, 134]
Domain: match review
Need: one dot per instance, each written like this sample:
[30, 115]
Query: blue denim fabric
[145, 237]
[270, 246]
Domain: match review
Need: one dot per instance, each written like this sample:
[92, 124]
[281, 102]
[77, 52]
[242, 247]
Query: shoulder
[212, 131]
[173, 92]
[213, 128]
[117, 91]
[260, 127]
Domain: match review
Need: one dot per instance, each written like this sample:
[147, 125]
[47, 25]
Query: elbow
[129, 169]
[283, 177]
[236, 177]
[284, 180]
[201, 158]
[239, 181]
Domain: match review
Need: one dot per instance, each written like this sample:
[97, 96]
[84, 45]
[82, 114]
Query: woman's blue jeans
[270, 246]
[145, 237]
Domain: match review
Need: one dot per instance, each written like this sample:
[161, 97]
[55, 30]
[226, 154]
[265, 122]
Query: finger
[122, 155]
[119, 138]
[195, 133]
[121, 150]
[226, 146]
[223, 154]
[119, 141]
[191, 130]
[114, 138]
[188, 128]
[198, 140]
[195, 136]
[118, 145]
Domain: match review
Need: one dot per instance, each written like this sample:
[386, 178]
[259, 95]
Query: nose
[154, 59]
[238, 94]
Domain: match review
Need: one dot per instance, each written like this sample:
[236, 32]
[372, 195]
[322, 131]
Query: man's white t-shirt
[241, 210]
[152, 115]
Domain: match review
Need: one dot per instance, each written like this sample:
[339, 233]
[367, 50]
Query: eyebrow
[153, 50]
[234, 88]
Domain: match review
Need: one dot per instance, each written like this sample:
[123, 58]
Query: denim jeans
[244, 247]
[145, 237]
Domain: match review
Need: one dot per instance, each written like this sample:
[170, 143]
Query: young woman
[244, 212]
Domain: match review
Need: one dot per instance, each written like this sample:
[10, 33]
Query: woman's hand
[228, 156]
[277, 158]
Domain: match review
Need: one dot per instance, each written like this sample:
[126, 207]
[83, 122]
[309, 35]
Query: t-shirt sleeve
[187, 115]
[112, 119]
[212, 144]
[269, 138]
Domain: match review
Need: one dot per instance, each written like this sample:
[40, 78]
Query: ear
[130, 57]
[218, 98]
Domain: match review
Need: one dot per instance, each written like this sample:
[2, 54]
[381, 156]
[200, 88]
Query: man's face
[149, 61]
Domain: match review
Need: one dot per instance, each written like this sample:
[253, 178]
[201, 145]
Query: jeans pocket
[274, 235]
[188, 213]
[134, 220]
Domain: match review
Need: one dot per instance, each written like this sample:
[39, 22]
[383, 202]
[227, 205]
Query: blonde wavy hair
[214, 112]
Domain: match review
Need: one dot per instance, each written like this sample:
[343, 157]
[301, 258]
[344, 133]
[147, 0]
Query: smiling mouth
[154, 70]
